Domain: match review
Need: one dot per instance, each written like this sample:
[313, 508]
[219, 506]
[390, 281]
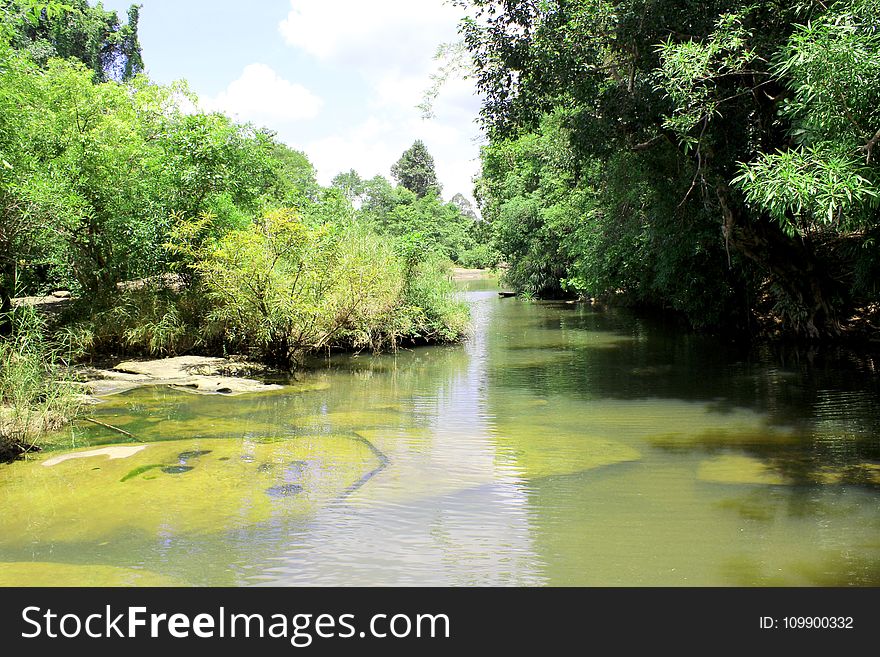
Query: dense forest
[716, 159]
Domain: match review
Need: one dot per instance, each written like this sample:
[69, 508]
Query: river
[560, 445]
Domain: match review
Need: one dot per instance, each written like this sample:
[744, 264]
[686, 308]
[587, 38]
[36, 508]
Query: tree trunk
[791, 264]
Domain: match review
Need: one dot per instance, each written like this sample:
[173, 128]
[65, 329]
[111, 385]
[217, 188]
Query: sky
[337, 79]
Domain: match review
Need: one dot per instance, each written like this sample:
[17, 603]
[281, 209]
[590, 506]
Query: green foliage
[465, 207]
[831, 66]
[415, 170]
[694, 156]
[690, 69]
[281, 289]
[803, 188]
[81, 179]
[524, 194]
[91, 35]
[295, 182]
[152, 318]
[206, 155]
[350, 184]
[100, 169]
[600, 228]
[447, 228]
[828, 179]
[35, 396]
[428, 311]
[94, 176]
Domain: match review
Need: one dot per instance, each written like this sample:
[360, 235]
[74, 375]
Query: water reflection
[449, 510]
[560, 445]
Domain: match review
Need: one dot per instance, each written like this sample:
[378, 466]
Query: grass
[36, 396]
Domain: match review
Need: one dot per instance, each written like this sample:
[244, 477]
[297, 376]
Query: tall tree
[296, 182]
[415, 170]
[350, 184]
[93, 35]
[465, 206]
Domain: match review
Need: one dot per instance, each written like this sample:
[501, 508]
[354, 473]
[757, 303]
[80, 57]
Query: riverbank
[464, 274]
[155, 334]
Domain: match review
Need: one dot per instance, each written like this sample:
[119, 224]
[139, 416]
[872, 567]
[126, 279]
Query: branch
[870, 147]
[110, 426]
[645, 145]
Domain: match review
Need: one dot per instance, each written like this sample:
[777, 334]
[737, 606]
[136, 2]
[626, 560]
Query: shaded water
[560, 446]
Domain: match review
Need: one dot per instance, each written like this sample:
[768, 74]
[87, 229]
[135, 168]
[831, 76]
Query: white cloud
[373, 146]
[369, 148]
[395, 90]
[264, 97]
[386, 33]
[385, 51]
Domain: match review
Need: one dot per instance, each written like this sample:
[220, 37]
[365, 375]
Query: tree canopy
[415, 170]
[714, 157]
[74, 29]
[178, 229]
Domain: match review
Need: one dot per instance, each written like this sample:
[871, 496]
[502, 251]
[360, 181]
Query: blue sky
[337, 79]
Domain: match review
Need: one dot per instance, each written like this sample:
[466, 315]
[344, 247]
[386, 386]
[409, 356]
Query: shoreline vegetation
[42, 390]
[717, 161]
[46, 380]
[235, 248]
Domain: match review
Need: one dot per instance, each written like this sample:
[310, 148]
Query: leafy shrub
[151, 318]
[280, 289]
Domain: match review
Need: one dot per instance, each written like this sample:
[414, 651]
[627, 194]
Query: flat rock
[225, 385]
[198, 374]
[112, 452]
[172, 368]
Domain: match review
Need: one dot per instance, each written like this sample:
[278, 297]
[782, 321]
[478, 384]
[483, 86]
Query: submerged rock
[738, 469]
[186, 456]
[284, 490]
[537, 451]
[145, 488]
[177, 469]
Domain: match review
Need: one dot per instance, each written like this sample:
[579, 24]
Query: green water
[559, 446]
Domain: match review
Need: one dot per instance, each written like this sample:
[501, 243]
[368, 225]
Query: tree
[465, 206]
[210, 157]
[92, 176]
[350, 184]
[745, 133]
[415, 170]
[92, 35]
[296, 184]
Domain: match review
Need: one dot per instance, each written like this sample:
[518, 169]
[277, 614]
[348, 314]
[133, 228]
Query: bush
[281, 289]
[429, 312]
[149, 318]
